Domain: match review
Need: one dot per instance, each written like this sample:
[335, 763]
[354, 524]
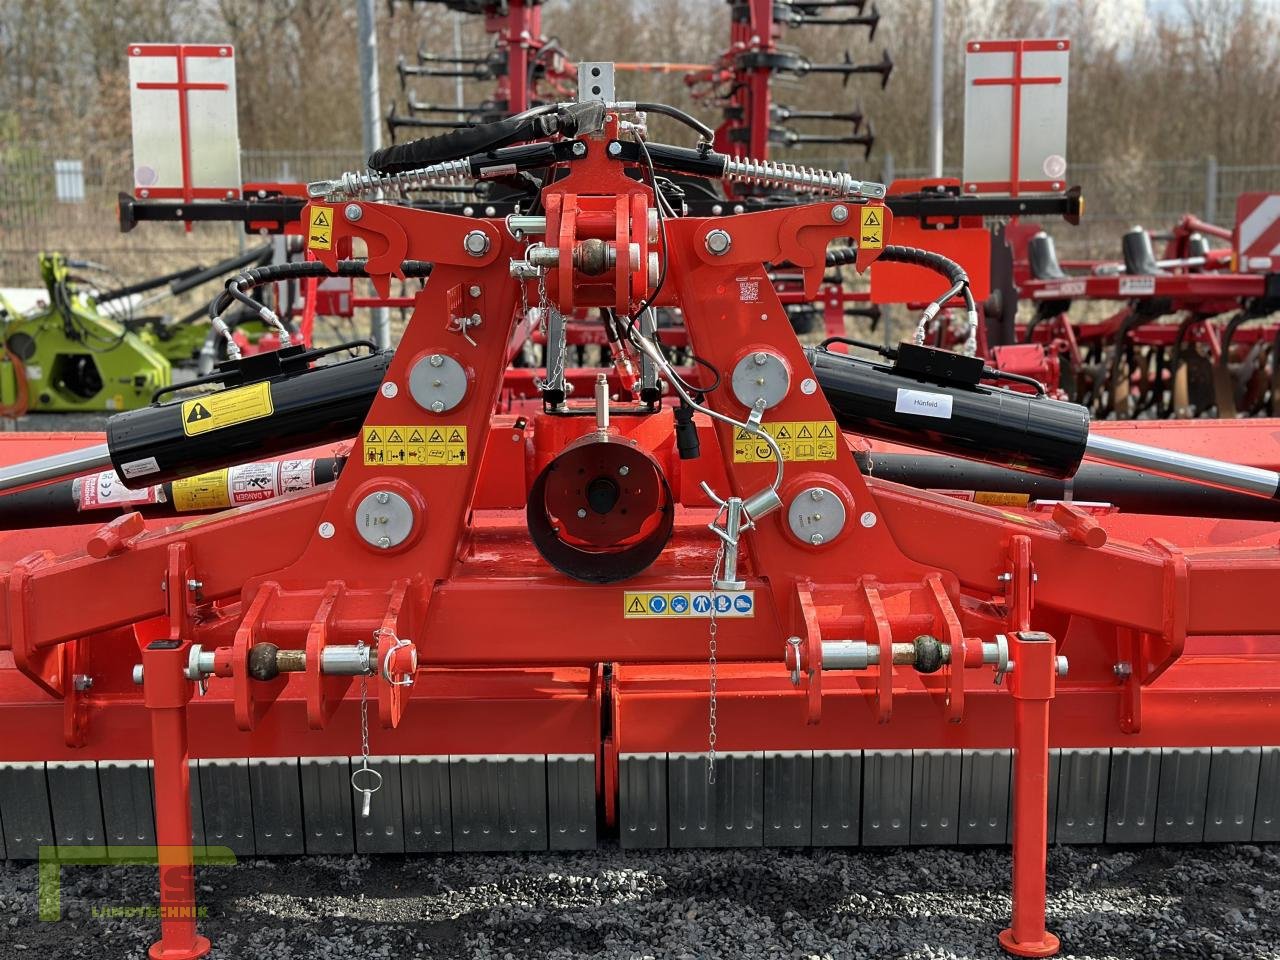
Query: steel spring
[355, 184]
[771, 173]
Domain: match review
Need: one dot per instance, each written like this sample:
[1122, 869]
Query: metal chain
[712, 629]
[373, 776]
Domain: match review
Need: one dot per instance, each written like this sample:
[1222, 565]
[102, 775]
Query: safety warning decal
[872, 234]
[436, 445]
[208, 491]
[320, 229]
[689, 603]
[226, 408]
[801, 441]
[246, 483]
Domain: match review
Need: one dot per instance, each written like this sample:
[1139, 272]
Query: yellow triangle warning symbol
[436, 437]
[636, 606]
[320, 219]
[416, 436]
[198, 412]
[742, 434]
[456, 437]
[394, 437]
[372, 436]
[825, 432]
[783, 433]
[804, 432]
[869, 218]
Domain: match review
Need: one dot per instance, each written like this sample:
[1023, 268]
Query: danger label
[246, 483]
[688, 604]
[801, 441]
[872, 233]
[216, 411]
[320, 228]
[442, 445]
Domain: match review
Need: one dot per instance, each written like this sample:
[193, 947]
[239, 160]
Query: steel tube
[1170, 463]
[51, 469]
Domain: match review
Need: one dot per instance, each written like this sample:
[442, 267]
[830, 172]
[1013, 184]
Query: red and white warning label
[107, 490]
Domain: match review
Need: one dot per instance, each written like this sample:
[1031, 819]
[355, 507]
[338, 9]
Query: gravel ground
[1147, 902]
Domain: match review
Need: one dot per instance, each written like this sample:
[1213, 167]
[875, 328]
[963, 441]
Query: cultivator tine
[849, 68]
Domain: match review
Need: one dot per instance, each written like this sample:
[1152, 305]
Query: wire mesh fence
[52, 201]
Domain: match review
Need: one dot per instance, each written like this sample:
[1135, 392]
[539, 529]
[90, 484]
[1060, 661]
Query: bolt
[739, 208]
[718, 242]
[808, 386]
[1005, 577]
[490, 211]
[436, 360]
[579, 148]
[817, 518]
[468, 211]
[194, 585]
[816, 495]
[82, 681]
[326, 531]
[1060, 665]
[137, 674]
[383, 498]
[437, 383]
[476, 243]
[868, 519]
[615, 149]
[623, 470]
[476, 320]
[582, 513]
[384, 542]
[1122, 669]
[389, 389]
[437, 406]
[760, 359]
[352, 212]
[839, 213]
[475, 290]
[816, 539]
[515, 438]
[717, 209]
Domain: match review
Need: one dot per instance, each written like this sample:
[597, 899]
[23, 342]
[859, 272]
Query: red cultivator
[690, 618]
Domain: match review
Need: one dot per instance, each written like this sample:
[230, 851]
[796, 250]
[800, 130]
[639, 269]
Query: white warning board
[1258, 232]
[1015, 116]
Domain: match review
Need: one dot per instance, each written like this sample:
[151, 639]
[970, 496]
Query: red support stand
[1032, 684]
[166, 691]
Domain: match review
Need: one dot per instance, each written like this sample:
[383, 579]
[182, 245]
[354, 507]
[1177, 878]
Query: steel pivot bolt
[384, 542]
[1122, 669]
[383, 498]
[615, 149]
[194, 585]
[817, 494]
[1060, 665]
[579, 148]
[475, 290]
[623, 470]
[760, 359]
[352, 211]
[476, 243]
[719, 242]
[436, 360]
[582, 513]
[437, 406]
[816, 539]
[839, 213]
[82, 681]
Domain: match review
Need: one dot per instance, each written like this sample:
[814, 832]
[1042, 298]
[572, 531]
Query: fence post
[886, 169]
[1211, 189]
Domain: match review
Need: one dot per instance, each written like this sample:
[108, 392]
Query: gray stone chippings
[1143, 902]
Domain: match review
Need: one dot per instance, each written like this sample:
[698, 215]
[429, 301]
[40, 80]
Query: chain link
[373, 777]
[712, 630]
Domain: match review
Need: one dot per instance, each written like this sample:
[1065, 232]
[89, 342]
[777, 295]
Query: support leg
[1032, 685]
[167, 692]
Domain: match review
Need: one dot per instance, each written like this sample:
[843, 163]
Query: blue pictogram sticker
[723, 603]
[657, 604]
[742, 603]
[679, 603]
[702, 604]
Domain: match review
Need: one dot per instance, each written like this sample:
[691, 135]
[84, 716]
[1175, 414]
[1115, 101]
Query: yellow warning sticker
[320, 229]
[214, 411]
[683, 605]
[208, 491]
[872, 235]
[415, 445]
[801, 441]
